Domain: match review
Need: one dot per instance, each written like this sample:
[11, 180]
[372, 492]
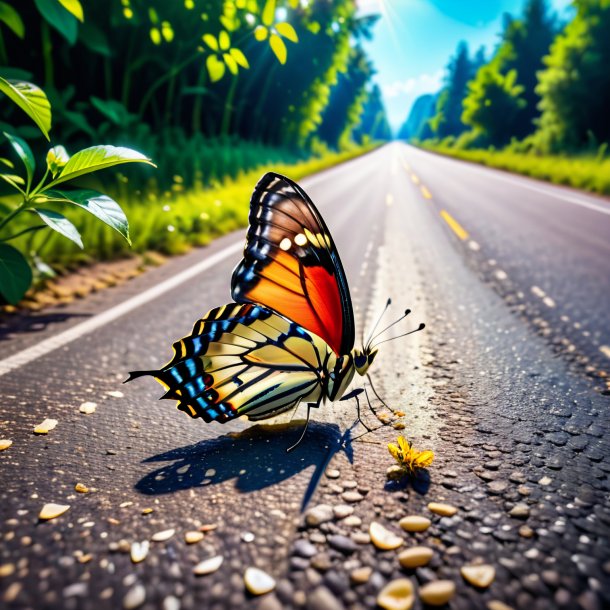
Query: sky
[414, 40]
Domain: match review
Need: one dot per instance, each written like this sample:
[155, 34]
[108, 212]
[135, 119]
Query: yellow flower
[409, 458]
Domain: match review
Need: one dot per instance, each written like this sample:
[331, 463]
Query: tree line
[545, 88]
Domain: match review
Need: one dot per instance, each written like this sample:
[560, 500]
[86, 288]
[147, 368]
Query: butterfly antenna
[388, 303]
[404, 315]
[302, 433]
[420, 327]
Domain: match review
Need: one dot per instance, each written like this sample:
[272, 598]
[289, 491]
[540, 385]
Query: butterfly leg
[381, 400]
[358, 412]
[309, 408]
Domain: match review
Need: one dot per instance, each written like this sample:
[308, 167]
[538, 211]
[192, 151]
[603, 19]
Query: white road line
[52, 343]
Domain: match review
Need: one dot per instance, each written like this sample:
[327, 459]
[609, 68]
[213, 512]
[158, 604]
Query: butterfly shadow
[419, 482]
[256, 458]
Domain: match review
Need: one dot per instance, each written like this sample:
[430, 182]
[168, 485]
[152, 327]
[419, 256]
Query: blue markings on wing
[196, 344]
[176, 375]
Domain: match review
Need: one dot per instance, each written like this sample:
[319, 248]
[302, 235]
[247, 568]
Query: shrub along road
[520, 435]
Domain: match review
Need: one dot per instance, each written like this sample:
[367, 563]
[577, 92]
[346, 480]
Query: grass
[173, 220]
[587, 172]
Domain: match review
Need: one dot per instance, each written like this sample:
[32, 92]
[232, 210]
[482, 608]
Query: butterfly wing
[243, 360]
[291, 264]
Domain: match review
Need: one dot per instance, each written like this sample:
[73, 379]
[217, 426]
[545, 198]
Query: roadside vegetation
[211, 93]
[538, 105]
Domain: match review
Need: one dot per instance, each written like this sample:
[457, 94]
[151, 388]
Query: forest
[538, 104]
[201, 95]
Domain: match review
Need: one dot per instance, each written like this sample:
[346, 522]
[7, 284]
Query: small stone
[359, 576]
[545, 481]
[342, 510]
[5, 444]
[78, 589]
[415, 557]
[258, 582]
[414, 523]
[319, 514]
[525, 531]
[193, 537]
[247, 536]
[163, 536]
[437, 592]
[397, 595]
[479, 576]
[207, 566]
[332, 473]
[320, 599]
[208, 527]
[445, 510]
[383, 538]
[135, 597]
[361, 538]
[88, 408]
[46, 426]
[83, 489]
[352, 521]
[138, 551]
[352, 496]
[115, 394]
[6, 569]
[342, 543]
[147, 511]
[497, 487]
[170, 602]
[520, 511]
[321, 562]
[51, 510]
[304, 548]
[496, 604]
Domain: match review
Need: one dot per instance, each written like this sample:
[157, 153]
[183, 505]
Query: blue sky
[414, 39]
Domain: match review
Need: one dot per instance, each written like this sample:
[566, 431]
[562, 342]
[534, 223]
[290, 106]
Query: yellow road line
[425, 192]
[406, 166]
[454, 225]
[389, 199]
[415, 179]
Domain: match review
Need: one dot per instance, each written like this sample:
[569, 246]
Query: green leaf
[7, 162]
[25, 154]
[269, 12]
[10, 73]
[13, 179]
[58, 222]
[59, 18]
[10, 17]
[32, 100]
[98, 204]
[216, 68]
[278, 47]
[95, 158]
[287, 31]
[94, 38]
[74, 7]
[15, 274]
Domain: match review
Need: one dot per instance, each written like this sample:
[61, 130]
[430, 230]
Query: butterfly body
[289, 336]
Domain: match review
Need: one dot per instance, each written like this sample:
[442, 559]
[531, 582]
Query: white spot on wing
[285, 244]
[300, 239]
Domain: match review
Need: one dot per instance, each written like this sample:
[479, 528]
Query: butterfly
[289, 336]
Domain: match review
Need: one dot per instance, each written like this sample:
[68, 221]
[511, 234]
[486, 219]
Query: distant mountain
[416, 124]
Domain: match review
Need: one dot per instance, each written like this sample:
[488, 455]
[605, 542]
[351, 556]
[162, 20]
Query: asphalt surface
[516, 418]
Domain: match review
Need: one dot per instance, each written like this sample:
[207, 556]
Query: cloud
[416, 85]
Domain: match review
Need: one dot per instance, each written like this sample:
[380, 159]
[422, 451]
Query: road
[518, 424]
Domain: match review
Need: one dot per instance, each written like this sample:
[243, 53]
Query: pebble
[382, 538]
[88, 408]
[342, 511]
[352, 521]
[479, 576]
[437, 592]
[319, 514]
[171, 603]
[322, 599]
[520, 511]
[415, 557]
[332, 473]
[193, 537]
[46, 426]
[115, 394]
[352, 496]
[496, 604]
[545, 481]
[51, 510]
[163, 536]
[304, 548]
[258, 582]
[414, 523]
[446, 510]
[6, 569]
[397, 595]
[497, 487]
[359, 576]
[342, 543]
[207, 566]
[525, 531]
[361, 538]
[83, 489]
[139, 551]
[5, 444]
[78, 589]
[135, 597]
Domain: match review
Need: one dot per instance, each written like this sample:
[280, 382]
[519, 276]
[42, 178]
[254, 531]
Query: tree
[416, 125]
[502, 102]
[575, 86]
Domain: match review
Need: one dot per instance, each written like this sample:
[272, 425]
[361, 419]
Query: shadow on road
[256, 458]
[16, 324]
